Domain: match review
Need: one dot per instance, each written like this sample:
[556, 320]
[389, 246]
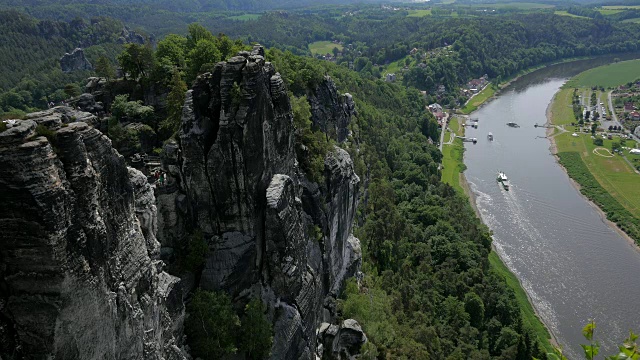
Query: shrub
[256, 333]
[211, 325]
[197, 249]
[42, 130]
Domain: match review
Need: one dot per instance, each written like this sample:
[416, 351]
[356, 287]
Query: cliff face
[331, 111]
[75, 61]
[272, 234]
[78, 275]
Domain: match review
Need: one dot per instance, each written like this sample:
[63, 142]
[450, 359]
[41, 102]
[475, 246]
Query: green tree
[256, 333]
[311, 146]
[136, 60]
[175, 102]
[173, 48]
[211, 325]
[205, 52]
[104, 68]
[72, 90]
[198, 33]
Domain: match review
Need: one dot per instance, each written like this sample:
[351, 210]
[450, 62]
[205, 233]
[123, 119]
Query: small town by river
[572, 264]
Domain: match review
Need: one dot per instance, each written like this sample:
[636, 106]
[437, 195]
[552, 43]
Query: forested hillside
[30, 52]
[428, 291]
[192, 5]
[447, 50]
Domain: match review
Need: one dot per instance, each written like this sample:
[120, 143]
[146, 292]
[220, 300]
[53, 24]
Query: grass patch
[591, 188]
[565, 13]
[453, 156]
[562, 112]
[529, 317]
[324, 47]
[515, 5]
[621, 7]
[246, 17]
[479, 99]
[634, 20]
[419, 13]
[609, 11]
[452, 164]
[608, 75]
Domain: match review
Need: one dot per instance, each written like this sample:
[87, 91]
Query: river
[571, 263]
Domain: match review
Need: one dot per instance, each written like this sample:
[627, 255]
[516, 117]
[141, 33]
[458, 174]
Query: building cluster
[437, 111]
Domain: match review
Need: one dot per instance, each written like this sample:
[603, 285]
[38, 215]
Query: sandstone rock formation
[80, 269]
[75, 61]
[78, 275]
[331, 111]
[271, 232]
[87, 102]
[340, 342]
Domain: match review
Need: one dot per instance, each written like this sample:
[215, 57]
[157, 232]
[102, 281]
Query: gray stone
[348, 340]
[330, 111]
[75, 61]
[240, 185]
[79, 280]
[87, 102]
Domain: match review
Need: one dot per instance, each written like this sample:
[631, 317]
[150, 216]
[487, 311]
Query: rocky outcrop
[78, 272]
[331, 111]
[87, 102]
[128, 36]
[271, 232]
[340, 342]
[75, 61]
[56, 116]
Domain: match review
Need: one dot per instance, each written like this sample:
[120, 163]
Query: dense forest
[30, 53]
[192, 5]
[434, 50]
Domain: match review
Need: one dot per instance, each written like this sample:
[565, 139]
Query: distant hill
[193, 5]
[30, 52]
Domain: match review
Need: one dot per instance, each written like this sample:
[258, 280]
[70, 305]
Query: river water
[572, 264]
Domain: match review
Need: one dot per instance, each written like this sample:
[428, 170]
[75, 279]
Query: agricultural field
[608, 75]
[419, 13]
[621, 7]
[323, 47]
[516, 5]
[609, 11]
[246, 17]
[564, 13]
[612, 171]
[634, 20]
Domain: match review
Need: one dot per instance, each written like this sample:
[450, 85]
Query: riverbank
[607, 182]
[453, 159]
[453, 153]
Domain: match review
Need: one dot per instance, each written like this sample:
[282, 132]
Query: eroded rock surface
[331, 111]
[271, 232]
[77, 268]
[76, 60]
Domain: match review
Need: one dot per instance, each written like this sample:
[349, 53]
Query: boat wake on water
[521, 228]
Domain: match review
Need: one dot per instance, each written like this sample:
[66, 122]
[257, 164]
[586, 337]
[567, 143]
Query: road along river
[573, 265]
